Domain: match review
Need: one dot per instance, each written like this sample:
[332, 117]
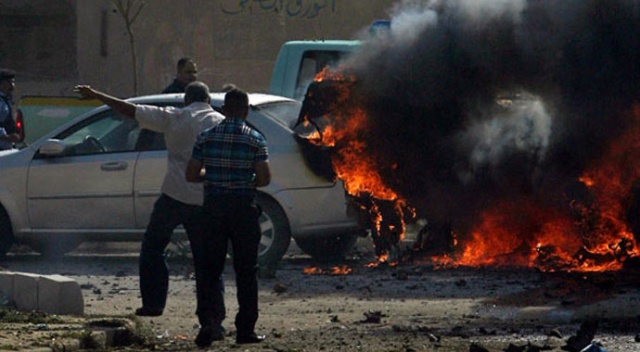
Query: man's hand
[86, 91]
[194, 171]
[123, 107]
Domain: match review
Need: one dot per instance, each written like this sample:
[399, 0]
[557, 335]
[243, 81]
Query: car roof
[255, 99]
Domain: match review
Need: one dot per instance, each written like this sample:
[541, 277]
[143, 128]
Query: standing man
[235, 159]
[8, 130]
[186, 72]
[180, 202]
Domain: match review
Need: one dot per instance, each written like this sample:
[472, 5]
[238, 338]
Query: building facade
[55, 44]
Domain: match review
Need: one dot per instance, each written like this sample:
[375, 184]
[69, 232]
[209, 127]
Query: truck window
[313, 61]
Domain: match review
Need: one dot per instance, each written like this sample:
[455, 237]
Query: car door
[90, 185]
[150, 170]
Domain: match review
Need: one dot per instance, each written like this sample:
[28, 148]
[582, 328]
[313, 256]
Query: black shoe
[208, 334]
[251, 338]
[146, 312]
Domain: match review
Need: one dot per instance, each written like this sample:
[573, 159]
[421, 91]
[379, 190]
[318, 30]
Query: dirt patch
[402, 308]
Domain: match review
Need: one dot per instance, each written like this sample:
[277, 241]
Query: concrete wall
[233, 41]
[38, 40]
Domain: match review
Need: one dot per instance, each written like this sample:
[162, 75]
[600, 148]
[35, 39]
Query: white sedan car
[96, 178]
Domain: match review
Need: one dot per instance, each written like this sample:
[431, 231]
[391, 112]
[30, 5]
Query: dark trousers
[234, 219]
[168, 214]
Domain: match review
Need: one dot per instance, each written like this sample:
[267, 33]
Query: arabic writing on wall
[293, 8]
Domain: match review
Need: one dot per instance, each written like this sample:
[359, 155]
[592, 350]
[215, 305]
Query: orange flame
[528, 234]
[336, 270]
[352, 161]
[521, 232]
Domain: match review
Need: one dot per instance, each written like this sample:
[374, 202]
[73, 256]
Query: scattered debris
[515, 348]
[584, 336]
[477, 348]
[486, 331]
[279, 288]
[401, 274]
[373, 317]
[529, 347]
[87, 286]
[594, 347]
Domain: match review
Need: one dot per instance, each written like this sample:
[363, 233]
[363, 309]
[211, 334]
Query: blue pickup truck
[298, 62]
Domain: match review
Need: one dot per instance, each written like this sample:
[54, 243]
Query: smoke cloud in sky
[472, 101]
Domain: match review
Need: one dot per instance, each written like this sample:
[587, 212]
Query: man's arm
[263, 173]
[118, 105]
[194, 171]
[10, 137]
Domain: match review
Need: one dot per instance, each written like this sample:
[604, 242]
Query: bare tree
[129, 10]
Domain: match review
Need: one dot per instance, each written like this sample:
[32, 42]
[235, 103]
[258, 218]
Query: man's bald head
[196, 92]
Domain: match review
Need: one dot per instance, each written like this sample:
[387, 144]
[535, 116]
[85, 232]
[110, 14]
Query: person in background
[234, 157]
[180, 202]
[227, 87]
[186, 72]
[8, 130]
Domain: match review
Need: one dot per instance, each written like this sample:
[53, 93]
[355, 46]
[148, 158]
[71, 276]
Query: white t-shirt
[180, 126]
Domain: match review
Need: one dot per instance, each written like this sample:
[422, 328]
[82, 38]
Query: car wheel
[276, 235]
[6, 233]
[55, 248]
[328, 248]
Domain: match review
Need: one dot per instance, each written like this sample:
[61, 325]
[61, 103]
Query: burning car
[421, 123]
[588, 227]
[330, 128]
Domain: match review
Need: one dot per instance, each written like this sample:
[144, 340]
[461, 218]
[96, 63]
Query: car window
[110, 132]
[107, 132]
[285, 112]
[313, 61]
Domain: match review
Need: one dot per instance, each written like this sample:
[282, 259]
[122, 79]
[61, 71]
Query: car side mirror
[52, 147]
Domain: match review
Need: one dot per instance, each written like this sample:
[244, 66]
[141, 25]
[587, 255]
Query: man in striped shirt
[235, 160]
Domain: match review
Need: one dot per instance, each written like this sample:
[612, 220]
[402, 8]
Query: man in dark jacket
[186, 72]
[8, 130]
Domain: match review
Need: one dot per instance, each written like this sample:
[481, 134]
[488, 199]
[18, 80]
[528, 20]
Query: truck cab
[298, 62]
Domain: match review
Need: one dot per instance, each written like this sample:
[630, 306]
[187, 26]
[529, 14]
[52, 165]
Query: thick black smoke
[479, 100]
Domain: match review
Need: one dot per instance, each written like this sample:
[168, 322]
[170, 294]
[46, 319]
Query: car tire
[6, 233]
[276, 234]
[55, 249]
[328, 248]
